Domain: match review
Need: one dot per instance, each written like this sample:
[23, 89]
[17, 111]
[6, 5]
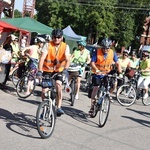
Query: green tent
[29, 24]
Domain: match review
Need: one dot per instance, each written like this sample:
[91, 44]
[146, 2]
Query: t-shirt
[143, 65]
[94, 57]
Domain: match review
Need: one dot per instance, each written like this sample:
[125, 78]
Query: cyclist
[101, 63]
[144, 79]
[80, 56]
[33, 53]
[134, 61]
[55, 58]
[124, 60]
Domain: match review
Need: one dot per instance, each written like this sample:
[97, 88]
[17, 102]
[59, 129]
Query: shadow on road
[30, 101]
[140, 121]
[20, 123]
[79, 115]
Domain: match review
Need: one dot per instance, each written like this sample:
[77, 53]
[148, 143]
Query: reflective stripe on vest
[55, 61]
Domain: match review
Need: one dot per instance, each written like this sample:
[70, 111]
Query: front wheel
[126, 95]
[146, 101]
[45, 119]
[25, 86]
[104, 111]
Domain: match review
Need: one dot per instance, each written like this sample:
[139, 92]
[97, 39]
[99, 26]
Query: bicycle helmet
[126, 52]
[39, 40]
[133, 53]
[145, 53]
[81, 42]
[57, 33]
[106, 43]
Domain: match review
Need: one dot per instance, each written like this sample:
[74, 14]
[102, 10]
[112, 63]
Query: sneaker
[131, 96]
[111, 99]
[60, 112]
[76, 97]
[91, 112]
[145, 96]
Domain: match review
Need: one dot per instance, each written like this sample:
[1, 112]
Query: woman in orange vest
[55, 58]
[101, 64]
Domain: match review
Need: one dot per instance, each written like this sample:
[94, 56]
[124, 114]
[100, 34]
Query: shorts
[59, 76]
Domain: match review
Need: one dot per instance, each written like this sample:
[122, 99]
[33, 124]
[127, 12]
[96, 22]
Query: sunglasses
[125, 54]
[57, 37]
[105, 49]
[144, 56]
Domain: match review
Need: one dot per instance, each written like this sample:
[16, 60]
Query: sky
[19, 4]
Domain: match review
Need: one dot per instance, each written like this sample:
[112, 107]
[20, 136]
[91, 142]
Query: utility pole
[28, 8]
[28, 11]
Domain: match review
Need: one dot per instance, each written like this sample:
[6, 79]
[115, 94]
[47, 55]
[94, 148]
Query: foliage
[120, 20]
[17, 13]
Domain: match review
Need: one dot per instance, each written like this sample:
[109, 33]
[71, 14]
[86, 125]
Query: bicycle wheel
[126, 95]
[104, 111]
[15, 77]
[73, 90]
[146, 101]
[24, 83]
[45, 119]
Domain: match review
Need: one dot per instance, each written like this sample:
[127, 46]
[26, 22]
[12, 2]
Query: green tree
[17, 13]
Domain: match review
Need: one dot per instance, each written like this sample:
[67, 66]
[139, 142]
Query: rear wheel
[126, 95]
[15, 77]
[104, 111]
[73, 91]
[25, 86]
[45, 119]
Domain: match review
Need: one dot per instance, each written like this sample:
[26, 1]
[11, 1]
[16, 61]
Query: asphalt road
[127, 128]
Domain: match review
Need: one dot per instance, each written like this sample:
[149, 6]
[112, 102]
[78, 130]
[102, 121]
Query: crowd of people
[49, 57]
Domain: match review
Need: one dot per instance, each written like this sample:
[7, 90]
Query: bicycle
[73, 71]
[127, 94]
[46, 112]
[88, 77]
[27, 80]
[102, 103]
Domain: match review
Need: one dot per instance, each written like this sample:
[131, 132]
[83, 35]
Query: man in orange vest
[55, 58]
[101, 63]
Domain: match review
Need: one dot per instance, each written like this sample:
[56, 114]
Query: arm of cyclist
[67, 55]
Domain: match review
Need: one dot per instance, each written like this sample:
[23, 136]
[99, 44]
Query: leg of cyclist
[78, 87]
[146, 82]
[93, 99]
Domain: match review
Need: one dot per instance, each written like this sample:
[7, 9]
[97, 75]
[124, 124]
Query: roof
[29, 24]
[6, 27]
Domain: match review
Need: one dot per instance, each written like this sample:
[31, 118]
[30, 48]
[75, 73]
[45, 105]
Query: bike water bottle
[100, 100]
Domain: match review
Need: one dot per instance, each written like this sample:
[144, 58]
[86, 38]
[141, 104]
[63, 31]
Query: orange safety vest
[55, 60]
[104, 65]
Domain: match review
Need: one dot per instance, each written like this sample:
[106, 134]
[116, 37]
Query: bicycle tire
[124, 95]
[104, 111]
[146, 101]
[72, 94]
[44, 121]
[22, 84]
[15, 77]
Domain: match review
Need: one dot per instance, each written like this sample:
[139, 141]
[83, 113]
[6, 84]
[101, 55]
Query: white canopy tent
[71, 37]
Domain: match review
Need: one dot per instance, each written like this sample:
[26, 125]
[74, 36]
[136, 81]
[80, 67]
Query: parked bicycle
[103, 102]
[128, 93]
[46, 112]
